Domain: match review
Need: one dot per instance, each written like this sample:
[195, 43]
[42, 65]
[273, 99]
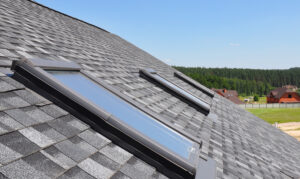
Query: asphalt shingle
[76, 173]
[116, 153]
[8, 124]
[37, 114]
[8, 154]
[20, 116]
[4, 105]
[59, 158]
[54, 111]
[29, 97]
[4, 86]
[105, 161]
[43, 164]
[19, 143]
[36, 137]
[94, 138]
[120, 175]
[13, 100]
[242, 145]
[68, 125]
[76, 148]
[137, 170]
[95, 169]
[48, 131]
[22, 170]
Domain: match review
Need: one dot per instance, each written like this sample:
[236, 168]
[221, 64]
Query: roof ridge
[34, 2]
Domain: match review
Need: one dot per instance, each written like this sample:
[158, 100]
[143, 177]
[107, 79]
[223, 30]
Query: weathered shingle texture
[40, 140]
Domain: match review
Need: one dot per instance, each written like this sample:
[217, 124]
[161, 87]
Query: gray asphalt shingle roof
[40, 140]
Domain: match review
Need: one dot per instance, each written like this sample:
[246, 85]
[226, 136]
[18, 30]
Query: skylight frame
[152, 74]
[195, 84]
[64, 76]
[36, 69]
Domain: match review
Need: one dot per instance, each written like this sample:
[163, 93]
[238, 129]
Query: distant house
[232, 95]
[285, 94]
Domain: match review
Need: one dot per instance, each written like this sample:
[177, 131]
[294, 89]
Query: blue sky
[213, 33]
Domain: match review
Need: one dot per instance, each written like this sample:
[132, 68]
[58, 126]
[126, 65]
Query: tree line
[245, 81]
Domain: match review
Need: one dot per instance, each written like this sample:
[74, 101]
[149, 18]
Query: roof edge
[34, 2]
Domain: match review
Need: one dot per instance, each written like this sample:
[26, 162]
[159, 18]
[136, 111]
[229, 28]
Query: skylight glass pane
[125, 112]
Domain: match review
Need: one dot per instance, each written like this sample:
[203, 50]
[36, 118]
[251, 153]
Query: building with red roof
[285, 94]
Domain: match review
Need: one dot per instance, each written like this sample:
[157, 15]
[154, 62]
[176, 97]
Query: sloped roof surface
[40, 140]
[243, 145]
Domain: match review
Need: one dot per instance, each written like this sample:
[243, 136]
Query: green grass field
[280, 115]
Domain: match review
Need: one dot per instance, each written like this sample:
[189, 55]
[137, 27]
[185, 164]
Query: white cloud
[234, 44]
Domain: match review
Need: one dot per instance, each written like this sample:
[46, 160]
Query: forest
[245, 81]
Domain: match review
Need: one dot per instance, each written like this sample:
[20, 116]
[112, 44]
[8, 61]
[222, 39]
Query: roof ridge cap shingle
[34, 2]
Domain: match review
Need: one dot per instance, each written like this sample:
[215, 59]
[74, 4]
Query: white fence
[271, 105]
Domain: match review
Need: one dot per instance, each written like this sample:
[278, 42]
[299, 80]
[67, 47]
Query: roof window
[125, 112]
[150, 73]
[195, 84]
[63, 83]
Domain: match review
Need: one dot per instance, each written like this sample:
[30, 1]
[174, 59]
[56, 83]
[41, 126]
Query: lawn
[280, 115]
[262, 100]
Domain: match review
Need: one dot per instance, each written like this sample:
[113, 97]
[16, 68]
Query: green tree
[256, 98]
[245, 81]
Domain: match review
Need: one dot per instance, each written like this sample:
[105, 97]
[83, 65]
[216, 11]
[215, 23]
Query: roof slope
[40, 140]
[243, 145]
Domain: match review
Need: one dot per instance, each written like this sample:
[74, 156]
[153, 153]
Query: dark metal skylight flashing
[34, 77]
[150, 73]
[195, 84]
[51, 64]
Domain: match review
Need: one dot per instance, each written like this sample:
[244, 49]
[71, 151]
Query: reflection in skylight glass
[125, 112]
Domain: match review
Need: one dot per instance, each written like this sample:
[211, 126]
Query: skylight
[195, 84]
[125, 112]
[114, 116]
[179, 91]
